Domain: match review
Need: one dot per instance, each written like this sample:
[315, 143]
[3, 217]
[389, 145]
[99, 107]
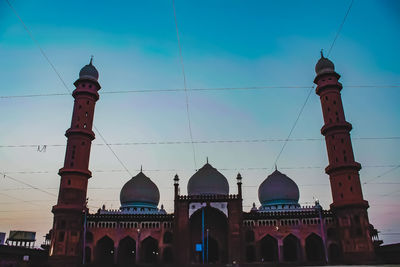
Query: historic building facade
[208, 224]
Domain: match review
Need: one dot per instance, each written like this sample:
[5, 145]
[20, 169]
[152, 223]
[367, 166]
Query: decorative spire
[276, 167]
[91, 60]
[322, 53]
[141, 168]
[207, 159]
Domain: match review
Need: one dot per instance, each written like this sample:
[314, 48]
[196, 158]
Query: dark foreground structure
[209, 225]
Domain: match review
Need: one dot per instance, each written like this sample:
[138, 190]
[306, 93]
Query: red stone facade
[212, 227]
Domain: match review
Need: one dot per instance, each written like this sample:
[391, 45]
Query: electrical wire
[59, 76]
[185, 86]
[309, 93]
[205, 142]
[340, 27]
[249, 88]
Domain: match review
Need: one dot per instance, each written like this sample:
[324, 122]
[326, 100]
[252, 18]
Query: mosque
[208, 224]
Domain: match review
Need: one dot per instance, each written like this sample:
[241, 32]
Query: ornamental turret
[67, 231]
[348, 204]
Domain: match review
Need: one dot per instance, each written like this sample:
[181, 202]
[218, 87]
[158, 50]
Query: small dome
[89, 72]
[278, 189]
[139, 191]
[208, 181]
[324, 65]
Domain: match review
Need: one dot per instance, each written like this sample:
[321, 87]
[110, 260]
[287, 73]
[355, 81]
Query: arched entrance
[126, 251]
[269, 249]
[216, 223]
[334, 253]
[104, 255]
[315, 248]
[149, 250]
[291, 248]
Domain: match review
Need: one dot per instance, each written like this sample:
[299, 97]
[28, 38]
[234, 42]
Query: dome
[208, 181]
[278, 189]
[324, 65]
[89, 72]
[139, 191]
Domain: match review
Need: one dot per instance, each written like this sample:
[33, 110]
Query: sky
[269, 45]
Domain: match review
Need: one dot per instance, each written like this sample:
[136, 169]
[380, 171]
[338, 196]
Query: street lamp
[137, 245]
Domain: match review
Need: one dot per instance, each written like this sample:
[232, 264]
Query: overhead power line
[181, 170]
[233, 89]
[27, 184]
[340, 27]
[59, 76]
[180, 142]
[185, 86]
[309, 93]
[395, 167]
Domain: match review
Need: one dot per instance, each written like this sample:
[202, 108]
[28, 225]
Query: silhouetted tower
[66, 241]
[348, 204]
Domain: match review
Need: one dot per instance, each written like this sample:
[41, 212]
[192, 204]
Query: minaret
[66, 240]
[348, 204]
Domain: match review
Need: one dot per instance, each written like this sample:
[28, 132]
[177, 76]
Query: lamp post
[207, 247]
[84, 233]
[137, 246]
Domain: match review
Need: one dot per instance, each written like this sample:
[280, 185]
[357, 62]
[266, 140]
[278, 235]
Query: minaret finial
[141, 168]
[91, 60]
[276, 167]
[207, 159]
[322, 53]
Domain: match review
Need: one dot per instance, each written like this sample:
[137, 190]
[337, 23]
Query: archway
[126, 251]
[250, 254]
[291, 245]
[335, 254]
[314, 248]
[216, 223]
[149, 250]
[104, 255]
[168, 255]
[269, 248]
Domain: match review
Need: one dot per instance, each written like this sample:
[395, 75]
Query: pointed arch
[149, 250]
[291, 248]
[126, 251]
[104, 255]
[269, 249]
[315, 248]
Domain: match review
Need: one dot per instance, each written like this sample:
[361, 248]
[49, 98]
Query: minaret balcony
[331, 168]
[336, 127]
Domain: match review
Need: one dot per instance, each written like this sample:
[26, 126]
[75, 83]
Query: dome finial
[91, 60]
[322, 53]
[141, 168]
[276, 167]
[207, 159]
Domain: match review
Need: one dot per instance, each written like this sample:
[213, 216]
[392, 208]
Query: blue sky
[224, 44]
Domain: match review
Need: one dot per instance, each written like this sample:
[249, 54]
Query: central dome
[139, 191]
[278, 189]
[208, 181]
